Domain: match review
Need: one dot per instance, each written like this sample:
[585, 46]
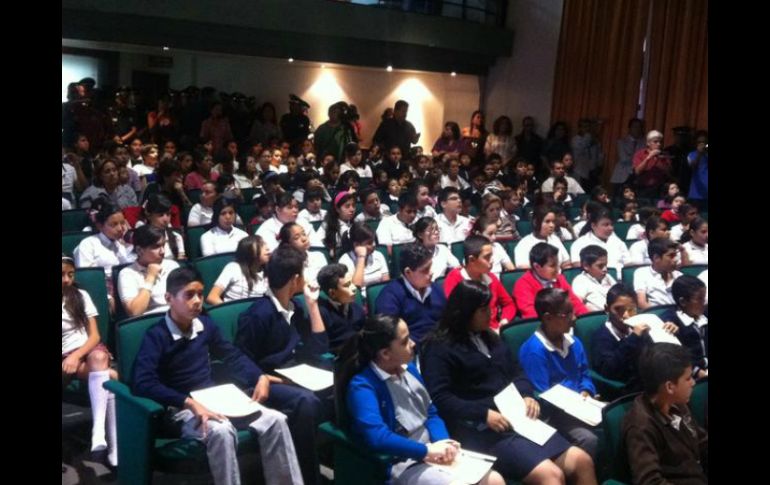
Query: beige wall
[522, 84]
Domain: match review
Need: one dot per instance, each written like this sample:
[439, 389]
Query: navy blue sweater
[265, 337]
[463, 382]
[338, 326]
[421, 318]
[690, 337]
[615, 359]
[166, 370]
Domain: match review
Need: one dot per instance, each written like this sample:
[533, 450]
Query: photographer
[333, 135]
[699, 165]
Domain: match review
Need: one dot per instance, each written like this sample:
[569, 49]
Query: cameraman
[334, 134]
[698, 161]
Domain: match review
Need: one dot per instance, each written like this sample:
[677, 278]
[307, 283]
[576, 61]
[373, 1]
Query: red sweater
[670, 217]
[526, 288]
[501, 300]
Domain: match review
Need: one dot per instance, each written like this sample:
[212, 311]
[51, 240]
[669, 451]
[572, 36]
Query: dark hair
[407, 199]
[350, 149]
[455, 128]
[617, 290]
[359, 233]
[541, 253]
[594, 216]
[284, 199]
[646, 212]
[160, 204]
[695, 224]
[446, 192]
[332, 222]
[652, 224]
[560, 180]
[685, 288]
[285, 263]
[481, 223]
[284, 233]
[167, 168]
[660, 363]
[538, 216]
[497, 126]
[219, 205]
[660, 246]
[421, 225]
[591, 253]
[103, 209]
[73, 300]
[315, 193]
[330, 275]
[364, 194]
[482, 129]
[346, 179]
[400, 104]
[414, 255]
[472, 246]
[146, 236]
[552, 130]
[248, 259]
[99, 168]
[467, 297]
[550, 300]
[181, 277]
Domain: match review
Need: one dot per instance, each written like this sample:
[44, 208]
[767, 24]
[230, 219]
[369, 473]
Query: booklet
[657, 334]
[469, 466]
[586, 409]
[308, 376]
[227, 400]
[511, 405]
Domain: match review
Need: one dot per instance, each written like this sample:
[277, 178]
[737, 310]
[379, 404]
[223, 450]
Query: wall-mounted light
[291, 59]
[389, 68]
[165, 48]
[323, 66]
[453, 74]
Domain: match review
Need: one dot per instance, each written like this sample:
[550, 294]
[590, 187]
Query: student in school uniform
[655, 227]
[142, 285]
[413, 296]
[223, 237]
[696, 242]
[465, 365]
[286, 210]
[367, 266]
[397, 229]
[336, 223]
[294, 235]
[173, 360]
[687, 213]
[552, 356]
[426, 232]
[653, 284]
[478, 252]
[312, 211]
[543, 227]
[599, 231]
[373, 210]
[157, 212]
[341, 314]
[390, 410]
[616, 346]
[452, 225]
[543, 273]
[636, 231]
[592, 284]
[489, 228]
[244, 277]
[275, 332]
[689, 293]
[421, 193]
[662, 443]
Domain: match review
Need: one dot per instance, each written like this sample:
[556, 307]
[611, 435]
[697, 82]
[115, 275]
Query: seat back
[612, 425]
[70, 240]
[193, 240]
[699, 401]
[585, 328]
[659, 310]
[210, 267]
[93, 281]
[373, 224]
[74, 220]
[524, 227]
[628, 273]
[225, 316]
[458, 251]
[516, 333]
[372, 292]
[120, 310]
[509, 279]
[621, 228]
[130, 335]
[694, 269]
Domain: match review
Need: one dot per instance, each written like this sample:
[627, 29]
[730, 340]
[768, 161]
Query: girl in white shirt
[84, 356]
[426, 232]
[543, 227]
[200, 214]
[157, 213]
[353, 156]
[223, 237]
[246, 176]
[599, 231]
[336, 223]
[366, 265]
[294, 235]
[487, 227]
[696, 241]
[244, 277]
[142, 286]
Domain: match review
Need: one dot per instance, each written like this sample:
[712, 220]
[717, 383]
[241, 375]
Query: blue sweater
[166, 370]
[265, 337]
[421, 318]
[617, 359]
[339, 327]
[373, 417]
[546, 369]
[690, 337]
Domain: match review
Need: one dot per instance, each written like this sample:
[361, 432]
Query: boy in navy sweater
[413, 297]
[274, 333]
[174, 359]
[552, 356]
[341, 314]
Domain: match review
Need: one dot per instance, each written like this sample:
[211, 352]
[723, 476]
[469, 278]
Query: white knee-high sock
[99, 397]
[112, 430]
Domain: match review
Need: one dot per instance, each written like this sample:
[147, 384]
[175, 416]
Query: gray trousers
[279, 460]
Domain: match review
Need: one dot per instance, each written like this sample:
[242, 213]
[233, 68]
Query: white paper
[586, 409]
[308, 376]
[657, 334]
[511, 405]
[469, 466]
[227, 400]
